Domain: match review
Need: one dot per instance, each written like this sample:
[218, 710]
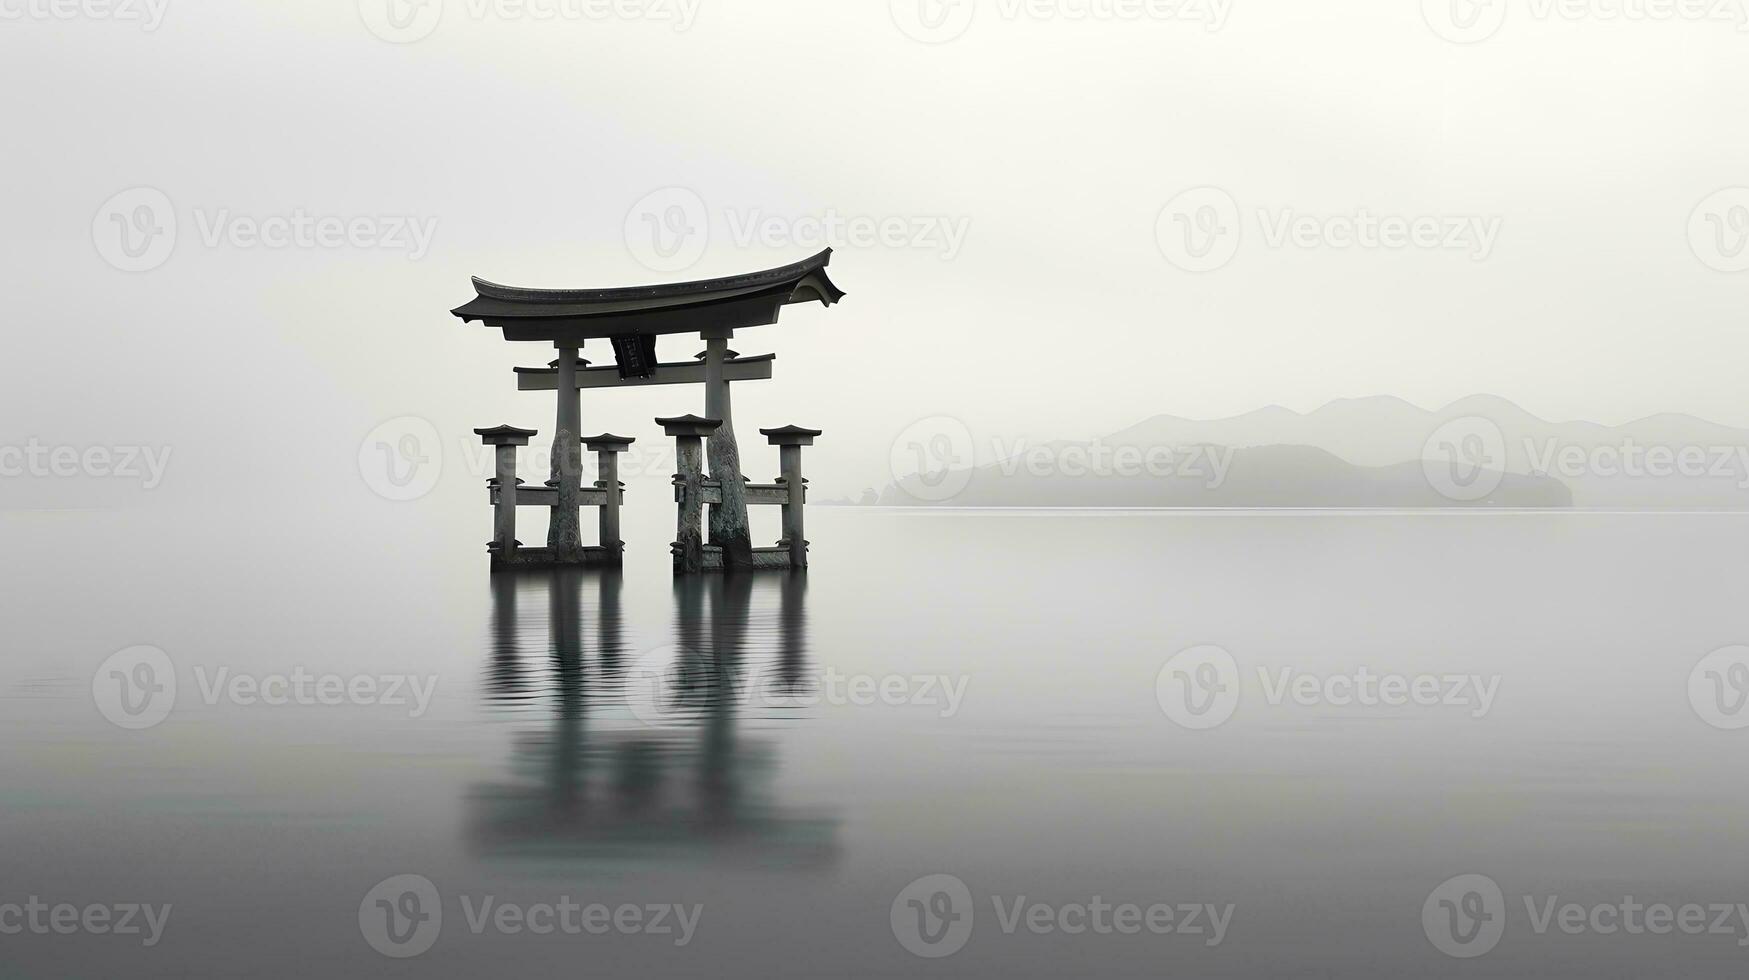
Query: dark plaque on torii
[632, 318]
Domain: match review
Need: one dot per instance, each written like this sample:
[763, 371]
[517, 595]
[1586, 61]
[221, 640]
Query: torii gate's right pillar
[729, 528]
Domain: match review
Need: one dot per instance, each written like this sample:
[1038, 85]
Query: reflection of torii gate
[632, 318]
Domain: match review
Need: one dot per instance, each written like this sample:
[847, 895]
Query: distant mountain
[1381, 452]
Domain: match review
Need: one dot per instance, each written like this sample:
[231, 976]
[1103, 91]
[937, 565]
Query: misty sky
[526, 146]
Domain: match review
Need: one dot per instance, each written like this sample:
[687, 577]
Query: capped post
[503, 486]
[790, 439]
[607, 448]
[688, 433]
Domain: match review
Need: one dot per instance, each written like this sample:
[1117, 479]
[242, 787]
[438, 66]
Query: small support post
[729, 529]
[503, 486]
[565, 533]
[688, 432]
[607, 449]
[791, 439]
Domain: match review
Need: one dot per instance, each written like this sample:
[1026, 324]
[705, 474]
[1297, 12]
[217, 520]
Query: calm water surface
[964, 694]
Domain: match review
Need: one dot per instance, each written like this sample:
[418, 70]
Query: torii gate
[632, 318]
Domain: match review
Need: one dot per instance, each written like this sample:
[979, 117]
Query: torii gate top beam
[567, 317]
[690, 373]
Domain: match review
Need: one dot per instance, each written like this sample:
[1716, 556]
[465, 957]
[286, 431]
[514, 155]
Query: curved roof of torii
[748, 300]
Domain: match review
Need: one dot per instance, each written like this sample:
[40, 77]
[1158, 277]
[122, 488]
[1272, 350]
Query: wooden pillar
[790, 439]
[565, 533]
[503, 488]
[729, 529]
[688, 431]
[607, 449]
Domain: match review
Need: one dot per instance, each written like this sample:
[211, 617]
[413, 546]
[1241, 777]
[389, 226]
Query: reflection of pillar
[731, 599]
[505, 673]
[565, 533]
[607, 449]
[609, 627]
[729, 529]
[790, 439]
[503, 487]
[687, 432]
[568, 777]
[792, 630]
